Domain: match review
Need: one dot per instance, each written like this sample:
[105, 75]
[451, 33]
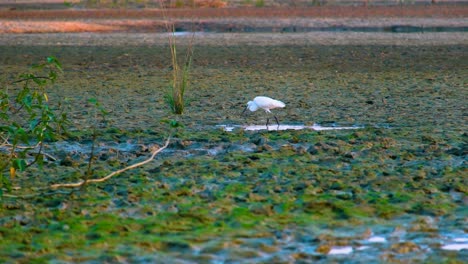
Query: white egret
[265, 103]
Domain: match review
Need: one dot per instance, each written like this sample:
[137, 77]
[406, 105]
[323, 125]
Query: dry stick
[7, 144]
[5, 141]
[91, 157]
[42, 194]
[78, 184]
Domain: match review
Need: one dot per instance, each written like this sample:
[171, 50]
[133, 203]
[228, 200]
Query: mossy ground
[409, 160]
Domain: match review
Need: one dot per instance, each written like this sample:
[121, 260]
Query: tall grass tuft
[180, 77]
[180, 72]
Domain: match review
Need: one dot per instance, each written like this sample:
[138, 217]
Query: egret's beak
[245, 109]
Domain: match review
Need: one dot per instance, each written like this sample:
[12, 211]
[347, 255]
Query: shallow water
[291, 246]
[316, 127]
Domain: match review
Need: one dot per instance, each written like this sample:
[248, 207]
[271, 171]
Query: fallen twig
[29, 196]
[5, 141]
[82, 182]
[6, 144]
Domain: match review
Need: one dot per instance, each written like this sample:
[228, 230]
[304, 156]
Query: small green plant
[179, 3]
[172, 123]
[246, 2]
[67, 4]
[259, 3]
[27, 120]
[98, 110]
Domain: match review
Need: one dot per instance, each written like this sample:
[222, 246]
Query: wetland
[392, 188]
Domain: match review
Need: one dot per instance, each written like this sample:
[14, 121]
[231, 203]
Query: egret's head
[252, 106]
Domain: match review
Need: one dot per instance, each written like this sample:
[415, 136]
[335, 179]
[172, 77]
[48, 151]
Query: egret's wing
[267, 103]
[274, 104]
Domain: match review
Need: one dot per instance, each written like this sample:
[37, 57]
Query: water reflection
[316, 127]
[340, 250]
[184, 33]
[376, 239]
[457, 244]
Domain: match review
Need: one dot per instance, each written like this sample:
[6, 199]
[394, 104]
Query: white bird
[265, 103]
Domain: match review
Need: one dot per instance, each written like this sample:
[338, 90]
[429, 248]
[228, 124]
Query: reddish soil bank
[326, 11]
[150, 20]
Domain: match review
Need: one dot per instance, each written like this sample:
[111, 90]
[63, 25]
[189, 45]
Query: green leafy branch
[27, 120]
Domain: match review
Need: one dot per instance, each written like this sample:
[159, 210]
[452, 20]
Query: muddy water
[391, 188]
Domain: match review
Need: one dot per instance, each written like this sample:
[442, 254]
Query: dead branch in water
[82, 182]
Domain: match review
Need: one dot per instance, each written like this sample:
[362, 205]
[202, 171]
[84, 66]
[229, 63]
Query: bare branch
[5, 141]
[6, 144]
[82, 182]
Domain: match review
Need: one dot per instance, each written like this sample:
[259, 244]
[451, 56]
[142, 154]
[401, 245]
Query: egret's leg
[277, 122]
[268, 122]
